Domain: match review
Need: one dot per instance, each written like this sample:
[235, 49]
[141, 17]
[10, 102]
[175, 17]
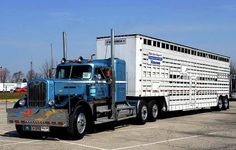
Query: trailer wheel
[78, 123]
[225, 102]
[142, 113]
[162, 109]
[152, 111]
[220, 104]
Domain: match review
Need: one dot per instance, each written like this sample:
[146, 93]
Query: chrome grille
[37, 93]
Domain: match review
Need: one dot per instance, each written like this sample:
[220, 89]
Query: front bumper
[36, 116]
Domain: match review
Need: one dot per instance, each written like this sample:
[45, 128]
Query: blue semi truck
[86, 92]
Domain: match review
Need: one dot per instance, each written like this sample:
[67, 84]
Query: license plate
[44, 128]
[37, 128]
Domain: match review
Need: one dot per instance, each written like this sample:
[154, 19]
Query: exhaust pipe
[113, 106]
[64, 45]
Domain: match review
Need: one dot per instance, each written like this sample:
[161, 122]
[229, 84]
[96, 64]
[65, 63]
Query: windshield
[74, 72]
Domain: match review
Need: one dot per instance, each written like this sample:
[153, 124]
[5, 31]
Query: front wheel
[19, 130]
[78, 123]
[219, 105]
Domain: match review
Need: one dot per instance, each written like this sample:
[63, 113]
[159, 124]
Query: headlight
[22, 102]
[51, 102]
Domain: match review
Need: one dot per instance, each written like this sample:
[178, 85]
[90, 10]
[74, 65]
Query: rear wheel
[220, 104]
[225, 104]
[78, 123]
[142, 113]
[152, 110]
[162, 109]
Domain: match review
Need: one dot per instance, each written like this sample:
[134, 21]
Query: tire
[142, 113]
[78, 123]
[19, 130]
[220, 104]
[162, 109]
[153, 111]
[225, 103]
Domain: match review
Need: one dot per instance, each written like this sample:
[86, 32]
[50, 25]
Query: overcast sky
[27, 27]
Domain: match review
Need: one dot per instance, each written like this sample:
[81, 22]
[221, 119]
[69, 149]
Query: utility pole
[1, 73]
[51, 65]
[31, 70]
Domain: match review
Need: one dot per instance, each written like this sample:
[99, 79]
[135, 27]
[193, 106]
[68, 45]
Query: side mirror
[98, 77]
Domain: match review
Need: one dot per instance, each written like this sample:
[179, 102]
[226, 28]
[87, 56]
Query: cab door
[101, 83]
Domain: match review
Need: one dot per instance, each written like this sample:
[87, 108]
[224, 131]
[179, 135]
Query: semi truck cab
[79, 97]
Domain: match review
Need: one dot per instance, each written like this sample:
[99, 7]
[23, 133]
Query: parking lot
[203, 129]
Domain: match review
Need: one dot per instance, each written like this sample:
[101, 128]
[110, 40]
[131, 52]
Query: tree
[232, 68]
[31, 73]
[4, 75]
[18, 76]
[47, 70]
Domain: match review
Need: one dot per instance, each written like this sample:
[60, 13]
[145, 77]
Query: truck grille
[37, 93]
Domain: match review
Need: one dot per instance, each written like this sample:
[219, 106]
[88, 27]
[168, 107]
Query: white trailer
[182, 76]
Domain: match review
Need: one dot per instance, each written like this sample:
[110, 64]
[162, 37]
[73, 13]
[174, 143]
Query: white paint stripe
[4, 140]
[120, 81]
[165, 141]
[91, 82]
[82, 145]
[4, 130]
[25, 142]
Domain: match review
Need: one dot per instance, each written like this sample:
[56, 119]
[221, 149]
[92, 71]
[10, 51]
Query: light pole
[1, 73]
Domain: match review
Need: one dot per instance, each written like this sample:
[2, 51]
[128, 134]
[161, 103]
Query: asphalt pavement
[202, 129]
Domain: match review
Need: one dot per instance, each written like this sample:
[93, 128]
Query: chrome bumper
[35, 116]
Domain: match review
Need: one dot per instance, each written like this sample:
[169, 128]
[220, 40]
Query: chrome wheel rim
[81, 123]
[144, 112]
[226, 103]
[163, 108]
[220, 104]
[154, 110]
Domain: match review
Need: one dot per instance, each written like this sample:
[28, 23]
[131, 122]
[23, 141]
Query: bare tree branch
[18, 76]
[47, 70]
[4, 75]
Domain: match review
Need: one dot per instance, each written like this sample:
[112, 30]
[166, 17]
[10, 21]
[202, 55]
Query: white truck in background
[7, 87]
[10, 87]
